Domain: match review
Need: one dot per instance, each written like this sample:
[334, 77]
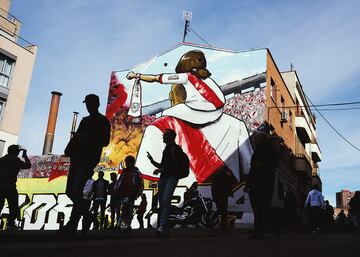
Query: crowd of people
[89, 195]
[322, 217]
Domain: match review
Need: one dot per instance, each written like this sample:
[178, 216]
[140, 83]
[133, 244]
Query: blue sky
[82, 41]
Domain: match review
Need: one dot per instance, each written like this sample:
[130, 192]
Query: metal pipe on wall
[50, 130]
[73, 125]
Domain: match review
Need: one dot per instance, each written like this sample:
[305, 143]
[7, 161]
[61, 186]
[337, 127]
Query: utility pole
[187, 16]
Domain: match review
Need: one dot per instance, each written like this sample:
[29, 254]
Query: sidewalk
[182, 242]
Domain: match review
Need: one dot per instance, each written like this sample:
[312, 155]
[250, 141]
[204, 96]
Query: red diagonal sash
[204, 160]
[205, 91]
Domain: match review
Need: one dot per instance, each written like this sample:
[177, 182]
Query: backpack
[88, 190]
[139, 186]
[184, 165]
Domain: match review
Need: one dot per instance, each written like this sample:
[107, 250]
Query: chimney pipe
[50, 131]
[73, 125]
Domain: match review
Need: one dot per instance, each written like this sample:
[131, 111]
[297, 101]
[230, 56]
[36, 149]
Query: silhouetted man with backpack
[174, 165]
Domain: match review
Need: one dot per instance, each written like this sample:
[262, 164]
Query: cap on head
[13, 150]
[92, 98]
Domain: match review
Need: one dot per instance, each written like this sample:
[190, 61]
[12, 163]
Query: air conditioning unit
[284, 117]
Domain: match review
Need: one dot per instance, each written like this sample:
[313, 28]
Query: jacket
[10, 167]
[106, 187]
[314, 199]
[137, 183]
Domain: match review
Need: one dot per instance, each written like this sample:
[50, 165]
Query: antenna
[291, 66]
[187, 16]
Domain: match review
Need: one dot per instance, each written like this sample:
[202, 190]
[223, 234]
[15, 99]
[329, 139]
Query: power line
[337, 132]
[334, 104]
[340, 109]
[317, 105]
[191, 29]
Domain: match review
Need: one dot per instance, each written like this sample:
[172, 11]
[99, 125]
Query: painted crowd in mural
[214, 119]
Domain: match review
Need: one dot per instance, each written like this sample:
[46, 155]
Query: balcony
[303, 130]
[314, 149]
[9, 23]
[302, 161]
[316, 180]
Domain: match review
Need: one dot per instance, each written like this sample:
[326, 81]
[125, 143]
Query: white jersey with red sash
[223, 143]
[202, 95]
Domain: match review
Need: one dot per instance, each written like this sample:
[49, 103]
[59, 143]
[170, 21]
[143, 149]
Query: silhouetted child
[114, 210]
[141, 210]
[130, 186]
[100, 196]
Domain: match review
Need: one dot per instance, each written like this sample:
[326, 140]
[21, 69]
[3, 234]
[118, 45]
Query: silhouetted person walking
[168, 169]
[88, 195]
[355, 211]
[315, 200]
[101, 186]
[10, 166]
[290, 206]
[260, 183]
[114, 202]
[341, 220]
[329, 217]
[130, 187]
[221, 190]
[85, 149]
[141, 211]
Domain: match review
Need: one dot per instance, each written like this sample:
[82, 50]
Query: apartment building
[307, 150]
[17, 57]
[342, 199]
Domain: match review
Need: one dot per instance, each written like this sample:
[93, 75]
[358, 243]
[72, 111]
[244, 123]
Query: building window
[273, 89]
[6, 67]
[2, 146]
[2, 106]
[290, 119]
[283, 115]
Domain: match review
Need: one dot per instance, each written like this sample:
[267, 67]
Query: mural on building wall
[215, 111]
[215, 107]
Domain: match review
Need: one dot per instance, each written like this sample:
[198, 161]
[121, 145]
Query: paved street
[183, 242]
